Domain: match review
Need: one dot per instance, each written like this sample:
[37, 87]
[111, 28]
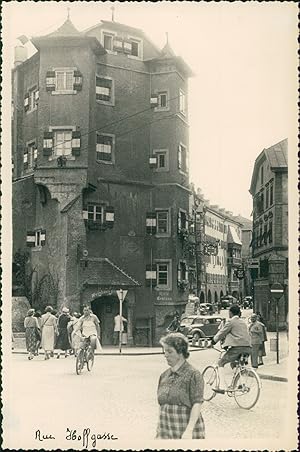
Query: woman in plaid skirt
[180, 393]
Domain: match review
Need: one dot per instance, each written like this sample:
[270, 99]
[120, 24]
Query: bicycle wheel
[246, 388]
[210, 377]
[90, 359]
[79, 361]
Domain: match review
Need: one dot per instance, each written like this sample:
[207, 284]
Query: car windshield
[186, 321]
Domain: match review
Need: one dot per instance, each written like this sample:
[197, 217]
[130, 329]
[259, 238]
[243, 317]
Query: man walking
[118, 324]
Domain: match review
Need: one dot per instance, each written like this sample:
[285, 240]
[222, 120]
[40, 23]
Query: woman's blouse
[30, 322]
[88, 325]
[182, 387]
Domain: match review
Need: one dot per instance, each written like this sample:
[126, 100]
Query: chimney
[20, 55]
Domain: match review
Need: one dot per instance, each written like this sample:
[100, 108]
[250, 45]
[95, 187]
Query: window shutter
[48, 143]
[127, 47]
[103, 89]
[179, 222]
[179, 157]
[43, 237]
[118, 44]
[85, 213]
[26, 102]
[151, 223]
[77, 86]
[76, 143]
[35, 154]
[179, 273]
[153, 161]
[151, 275]
[25, 159]
[154, 101]
[109, 216]
[37, 95]
[30, 238]
[50, 81]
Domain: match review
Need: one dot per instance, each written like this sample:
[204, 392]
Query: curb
[272, 378]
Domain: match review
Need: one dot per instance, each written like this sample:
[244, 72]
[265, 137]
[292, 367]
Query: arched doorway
[221, 294]
[202, 297]
[209, 296]
[216, 297]
[106, 307]
[235, 294]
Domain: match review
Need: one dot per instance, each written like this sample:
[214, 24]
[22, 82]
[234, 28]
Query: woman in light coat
[49, 331]
[256, 333]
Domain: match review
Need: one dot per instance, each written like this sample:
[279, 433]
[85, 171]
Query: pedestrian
[117, 325]
[74, 332]
[175, 324]
[256, 339]
[49, 331]
[180, 393]
[262, 348]
[38, 316]
[32, 333]
[63, 342]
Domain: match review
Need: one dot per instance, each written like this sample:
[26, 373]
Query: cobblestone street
[119, 396]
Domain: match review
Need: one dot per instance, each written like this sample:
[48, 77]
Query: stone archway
[221, 294]
[106, 307]
[216, 297]
[202, 297]
[209, 296]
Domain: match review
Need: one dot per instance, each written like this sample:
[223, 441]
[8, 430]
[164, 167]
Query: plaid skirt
[173, 420]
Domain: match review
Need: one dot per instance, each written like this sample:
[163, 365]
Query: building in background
[100, 150]
[246, 254]
[269, 189]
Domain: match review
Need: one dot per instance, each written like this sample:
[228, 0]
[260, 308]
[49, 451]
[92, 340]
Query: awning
[103, 272]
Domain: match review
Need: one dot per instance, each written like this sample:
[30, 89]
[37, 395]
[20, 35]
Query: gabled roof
[167, 51]
[103, 272]
[276, 156]
[232, 236]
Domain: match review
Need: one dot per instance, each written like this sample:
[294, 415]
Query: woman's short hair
[48, 309]
[178, 341]
[30, 312]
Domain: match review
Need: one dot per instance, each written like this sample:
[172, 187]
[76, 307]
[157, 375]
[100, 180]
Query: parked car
[247, 302]
[227, 301]
[200, 326]
[207, 308]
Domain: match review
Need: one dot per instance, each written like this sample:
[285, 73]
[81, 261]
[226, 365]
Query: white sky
[243, 96]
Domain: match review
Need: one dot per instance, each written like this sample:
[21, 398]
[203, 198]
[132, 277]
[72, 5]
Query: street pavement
[119, 397]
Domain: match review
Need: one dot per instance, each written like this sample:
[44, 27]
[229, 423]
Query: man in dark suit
[236, 341]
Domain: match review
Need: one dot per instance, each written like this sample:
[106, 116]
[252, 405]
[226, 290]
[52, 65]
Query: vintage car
[196, 327]
[227, 301]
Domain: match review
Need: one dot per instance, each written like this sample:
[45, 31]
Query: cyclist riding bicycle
[236, 341]
[89, 325]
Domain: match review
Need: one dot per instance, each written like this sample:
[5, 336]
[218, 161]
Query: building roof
[232, 236]
[247, 224]
[276, 156]
[103, 272]
[67, 31]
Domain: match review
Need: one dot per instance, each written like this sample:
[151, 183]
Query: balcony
[234, 261]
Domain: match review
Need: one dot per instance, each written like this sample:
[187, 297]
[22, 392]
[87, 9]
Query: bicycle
[85, 356]
[245, 383]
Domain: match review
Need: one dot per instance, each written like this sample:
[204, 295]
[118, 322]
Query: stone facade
[270, 230]
[83, 186]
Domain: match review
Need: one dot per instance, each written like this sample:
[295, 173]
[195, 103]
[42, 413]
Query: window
[163, 275]
[182, 220]
[270, 233]
[163, 100]
[162, 221]
[104, 148]
[182, 102]
[96, 213]
[271, 194]
[108, 41]
[36, 238]
[162, 156]
[182, 271]
[104, 90]
[182, 158]
[30, 156]
[134, 48]
[33, 99]
[267, 196]
[62, 142]
[64, 80]
[262, 175]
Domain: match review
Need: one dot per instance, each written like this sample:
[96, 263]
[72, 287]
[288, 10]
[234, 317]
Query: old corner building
[100, 176]
[269, 189]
